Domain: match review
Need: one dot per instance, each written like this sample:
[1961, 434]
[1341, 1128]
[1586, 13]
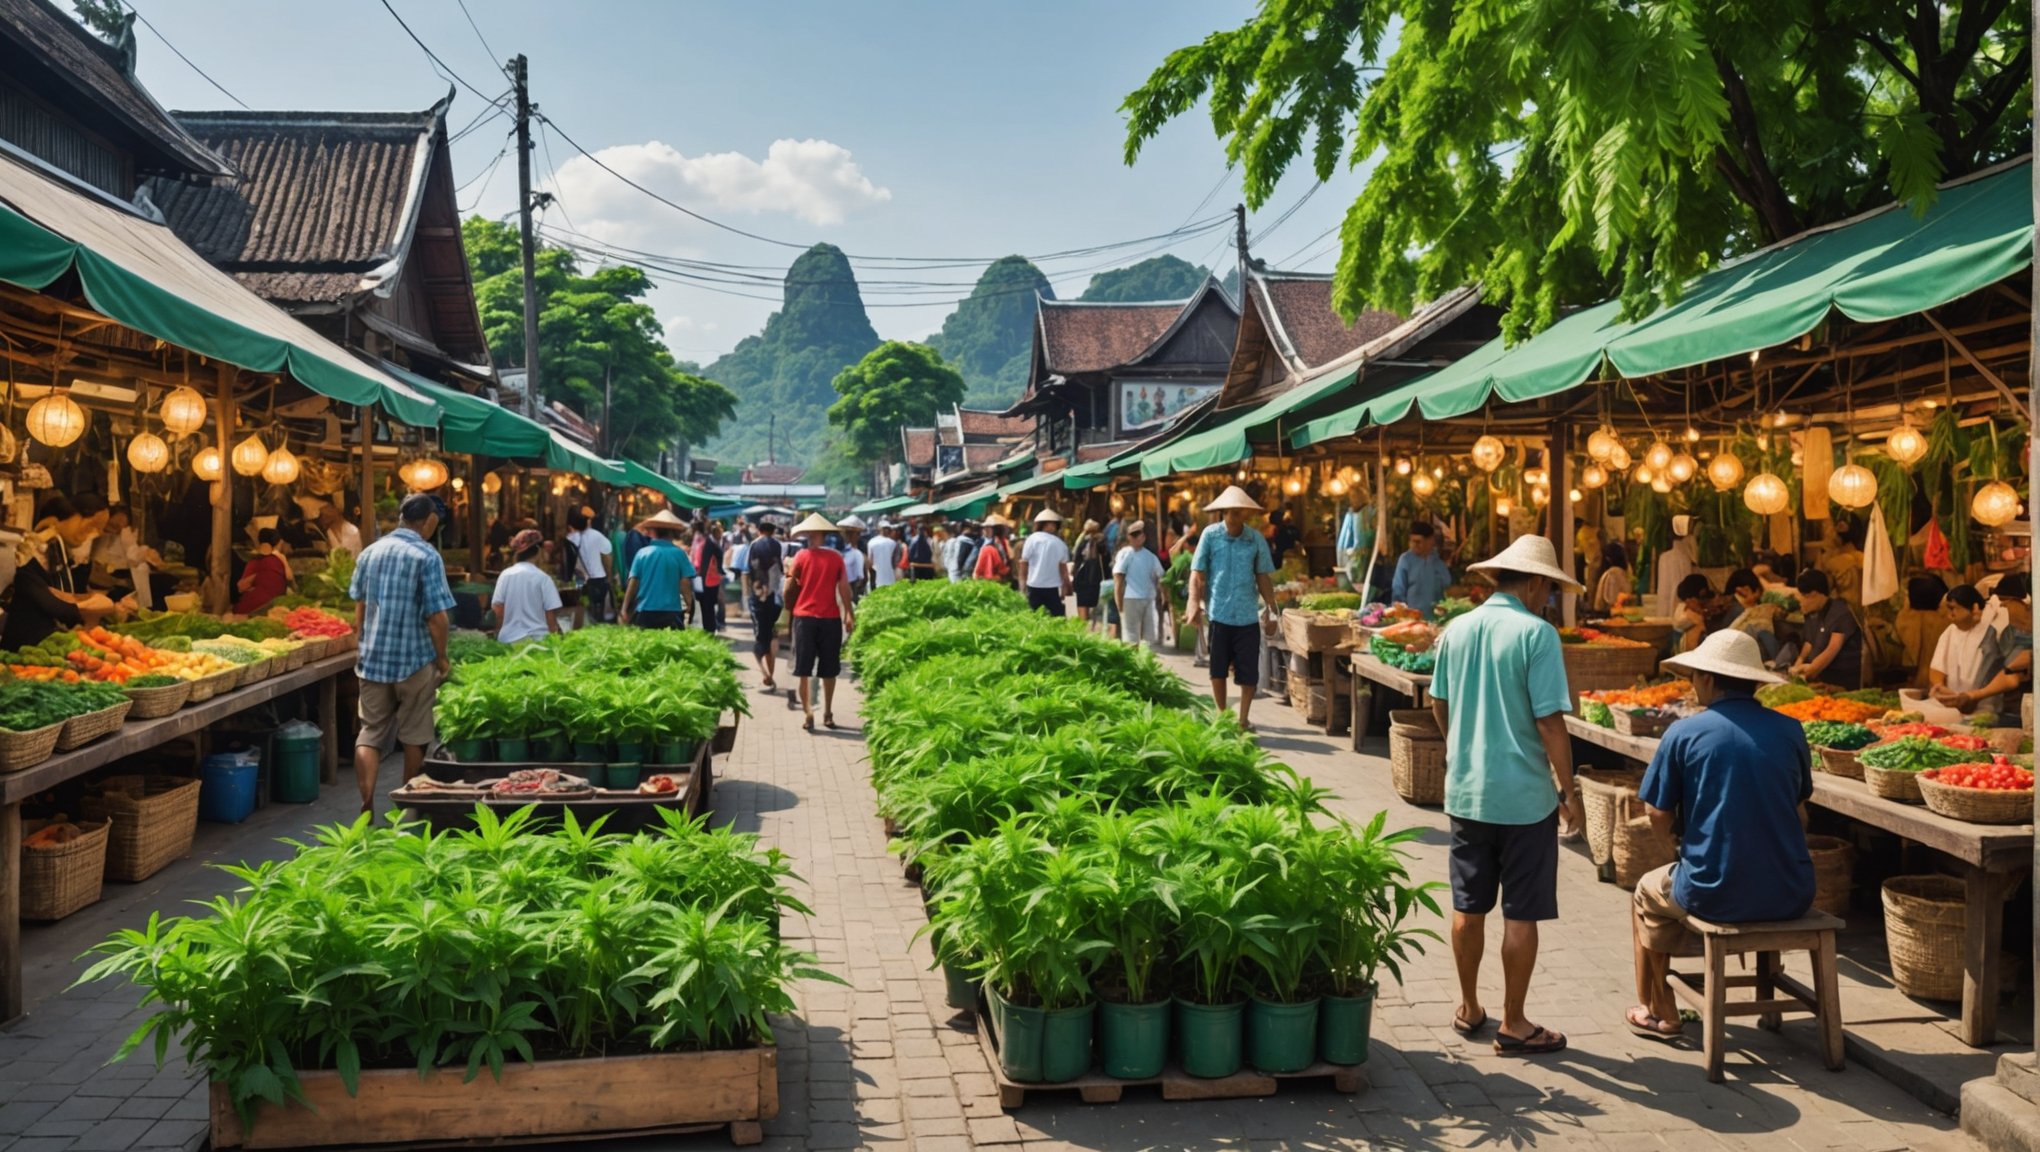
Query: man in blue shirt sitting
[1421, 577]
[1729, 782]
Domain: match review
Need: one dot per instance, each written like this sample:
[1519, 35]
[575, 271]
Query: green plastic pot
[553, 749]
[1019, 1031]
[675, 752]
[467, 751]
[1344, 1025]
[963, 987]
[631, 750]
[513, 749]
[1209, 1037]
[1066, 1042]
[591, 751]
[624, 774]
[1282, 1037]
[1133, 1039]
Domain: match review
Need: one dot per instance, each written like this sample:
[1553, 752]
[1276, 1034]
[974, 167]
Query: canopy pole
[219, 558]
[1560, 510]
[477, 543]
[367, 474]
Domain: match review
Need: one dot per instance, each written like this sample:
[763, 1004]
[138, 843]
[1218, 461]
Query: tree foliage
[1566, 151]
[990, 336]
[897, 385]
[1156, 278]
[589, 326]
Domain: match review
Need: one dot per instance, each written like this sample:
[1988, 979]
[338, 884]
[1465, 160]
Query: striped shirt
[400, 582]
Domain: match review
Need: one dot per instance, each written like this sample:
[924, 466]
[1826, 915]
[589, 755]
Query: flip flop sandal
[1460, 1025]
[828, 719]
[1652, 1028]
[1537, 1043]
[808, 723]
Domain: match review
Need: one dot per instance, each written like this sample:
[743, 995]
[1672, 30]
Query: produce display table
[1994, 858]
[627, 811]
[130, 738]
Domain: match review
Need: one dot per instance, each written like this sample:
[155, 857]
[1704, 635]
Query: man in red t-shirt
[819, 590]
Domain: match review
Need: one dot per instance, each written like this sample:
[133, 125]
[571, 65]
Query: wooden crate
[1309, 699]
[666, 1092]
[1313, 631]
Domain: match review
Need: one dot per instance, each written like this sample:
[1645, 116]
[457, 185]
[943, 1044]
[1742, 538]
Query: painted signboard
[1148, 405]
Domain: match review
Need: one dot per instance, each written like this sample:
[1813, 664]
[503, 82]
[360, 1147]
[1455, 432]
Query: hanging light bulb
[491, 483]
[56, 419]
[1402, 466]
[281, 467]
[1661, 484]
[1540, 496]
[1118, 502]
[1505, 507]
[427, 473]
[1852, 486]
[250, 456]
[183, 411]
[1682, 468]
[1241, 476]
[1766, 495]
[1905, 445]
[1575, 496]
[1602, 444]
[1692, 434]
[147, 453]
[459, 484]
[1336, 486]
[1659, 456]
[1593, 476]
[1350, 475]
[1423, 484]
[1536, 477]
[1438, 472]
[1488, 453]
[1725, 471]
[1643, 474]
[1619, 459]
[206, 465]
[1994, 503]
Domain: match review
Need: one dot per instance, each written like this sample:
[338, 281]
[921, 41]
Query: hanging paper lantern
[1536, 477]
[147, 453]
[428, 473]
[491, 483]
[1692, 434]
[1643, 474]
[1118, 502]
[1659, 456]
[1540, 496]
[1402, 466]
[56, 420]
[1619, 459]
[1602, 444]
[1661, 484]
[1334, 486]
[250, 456]
[206, 465]
[1995, 503]
[281, 468]
[1725, 470]
[1852, 486]
[1488, 453]
[183, 411]
[1905, 445]
[1682, 468]
[1766, 495]
[1575, 496]
[1423, 484]
[1593, 476]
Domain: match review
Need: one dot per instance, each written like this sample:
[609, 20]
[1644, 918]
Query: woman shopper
[1088, 576]
[526, 600]
[819, 590]
[995, 556]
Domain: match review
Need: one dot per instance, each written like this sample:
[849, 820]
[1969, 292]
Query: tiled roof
[977, 456]
[920, 446]
[980, 422]
[1301, 318]
[1080, 337]
[774, 473]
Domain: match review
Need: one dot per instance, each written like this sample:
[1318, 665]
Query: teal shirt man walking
[1230, 569]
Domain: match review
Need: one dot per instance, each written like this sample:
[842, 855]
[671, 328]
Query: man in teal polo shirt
[1230, 569]
[661, 577]
[1499, 693]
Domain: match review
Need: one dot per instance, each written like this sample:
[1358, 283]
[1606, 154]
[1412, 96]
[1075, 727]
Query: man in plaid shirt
[400, 599]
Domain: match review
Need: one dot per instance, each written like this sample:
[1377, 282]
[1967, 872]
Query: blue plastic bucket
[226, 791]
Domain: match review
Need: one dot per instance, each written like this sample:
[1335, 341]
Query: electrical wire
[544, 142]
[441, 65]
[478, 35]
[1308, 243]
[1284, 218]
[481, 118]
[181, 56]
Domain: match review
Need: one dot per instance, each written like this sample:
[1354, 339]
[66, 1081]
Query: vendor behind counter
[51, 581]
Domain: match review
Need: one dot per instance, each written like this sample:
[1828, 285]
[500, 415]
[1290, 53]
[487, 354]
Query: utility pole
[1240, 240]
[608, 432]
[520, 80]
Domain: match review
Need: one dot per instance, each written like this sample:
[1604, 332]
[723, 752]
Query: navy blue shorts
[1519, 860]
[1236, 647]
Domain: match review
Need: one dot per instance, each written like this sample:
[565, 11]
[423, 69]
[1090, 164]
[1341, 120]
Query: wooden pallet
[1097, 1088]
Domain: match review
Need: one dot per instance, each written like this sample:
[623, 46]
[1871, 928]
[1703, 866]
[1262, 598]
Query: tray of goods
[1999, 792]
[539, 784]
[1641, 721]
[1406, 646]
[659, 785]
[1600, 706]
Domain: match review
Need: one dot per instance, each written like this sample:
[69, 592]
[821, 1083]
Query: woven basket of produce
[154, 820]
[1416, 756]
[222, 682]
[155, 703]
[2006, 740]
[1601, 794]
[82, 730]
[63, 866]
[1990, 803]
[1602, 666]
[264, 668]
[345, 642]
[1923, 930]
[1638, 846]
[316, 647]
[20, 750]
[1893, 784]
[1834, 873]
[1836, 762]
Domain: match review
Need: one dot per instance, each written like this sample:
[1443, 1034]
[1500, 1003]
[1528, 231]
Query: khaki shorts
[403, 709]
[1659, 919]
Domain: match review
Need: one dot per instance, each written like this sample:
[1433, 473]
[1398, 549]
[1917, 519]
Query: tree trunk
[1746, 168]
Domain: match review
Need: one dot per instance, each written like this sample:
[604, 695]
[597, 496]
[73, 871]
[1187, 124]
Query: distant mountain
[1157, 278]
[783, 375]
[990, 335]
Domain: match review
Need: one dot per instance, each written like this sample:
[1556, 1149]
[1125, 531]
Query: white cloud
[811, 180]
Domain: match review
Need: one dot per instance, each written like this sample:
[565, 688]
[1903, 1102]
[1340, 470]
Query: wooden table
[1365, 666]
[1994, 858]
[130, 738]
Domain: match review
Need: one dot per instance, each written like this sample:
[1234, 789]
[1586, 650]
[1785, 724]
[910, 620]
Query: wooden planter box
[661, 1093]
[1307, 632]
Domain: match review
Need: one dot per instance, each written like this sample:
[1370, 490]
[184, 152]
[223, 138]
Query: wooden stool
[1707, 994]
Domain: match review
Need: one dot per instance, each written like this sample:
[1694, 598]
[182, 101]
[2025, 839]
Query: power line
[1307, 243]
[445, 71]
[186, 59]
[545, 143]
[1284, 218]
[492, 108]
[478, 31]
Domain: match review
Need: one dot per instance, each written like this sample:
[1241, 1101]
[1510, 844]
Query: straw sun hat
[1727, 653]
[1233, 497]
[664, 518]
[1048, 514]
[814, 523]
[1532, 556]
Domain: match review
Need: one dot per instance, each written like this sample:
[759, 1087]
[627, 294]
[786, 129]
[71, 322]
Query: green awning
[884, 504]
[1091, 475]
[1878, 267]
[681, 495]
[567, 456]
[921, 509]
[478, 427]
[144, 277]
[1233, 441]
[971, 504]
[1031, 484]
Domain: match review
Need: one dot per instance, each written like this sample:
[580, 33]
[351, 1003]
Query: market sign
[1149, 404]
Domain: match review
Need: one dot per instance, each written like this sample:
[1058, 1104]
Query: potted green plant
[1133, 1012]
[1369, 901]
[463, 718]
[1282, 1013]
[1209, 897]
[679, 728]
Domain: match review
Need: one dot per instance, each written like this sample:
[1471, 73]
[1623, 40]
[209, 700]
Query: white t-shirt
[1045, 554]
[1967, 660]
[524, 593]
[885, 561]
[592, 546]
[853, 565]
[1143, 572]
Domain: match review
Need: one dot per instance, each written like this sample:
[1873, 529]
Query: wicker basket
[347, 641]
[154, 821]
[1836, 762]
[1975, 805]
[1892, 784]
[1638, 846]
[58, 880]
[1416, 754]
[1601, 794]
[220, 683]
[20, 750]
[1923, 929]
[246, 674]
[156, 703]
[317, 647]
[293, 659]
[264, 668]
[82, 730]
[1597, 668]
[2006, 740]
[1834, 873]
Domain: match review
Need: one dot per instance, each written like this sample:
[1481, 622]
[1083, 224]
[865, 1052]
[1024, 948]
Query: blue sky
[899, 129]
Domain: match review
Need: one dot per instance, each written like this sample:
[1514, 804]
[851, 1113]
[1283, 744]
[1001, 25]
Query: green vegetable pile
[467, 647]
[400, 947]
[1332, 601]
[909, 601]
[1839, 736]
[151, 680]
[598, 684]
[231, 653]
[1397, 656]
[1778, 695]
[1882, 697]
[1450, 607]
[26, 705]
[150, 627]
[1918, 753]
